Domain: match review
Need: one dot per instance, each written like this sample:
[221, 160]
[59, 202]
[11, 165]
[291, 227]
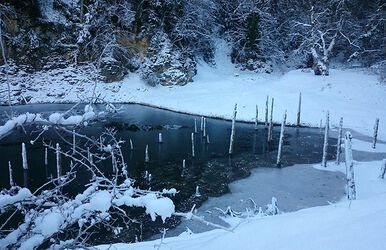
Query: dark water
[211, 169]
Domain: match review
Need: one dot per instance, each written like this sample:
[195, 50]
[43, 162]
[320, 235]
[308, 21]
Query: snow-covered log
[351, 193]
[233, 131]
[376, 125]
[339, 142]
[281, 140]
[325, 143]
[24, 156]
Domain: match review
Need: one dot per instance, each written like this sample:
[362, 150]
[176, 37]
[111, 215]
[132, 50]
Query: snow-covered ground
[354, 95]
[358, 224]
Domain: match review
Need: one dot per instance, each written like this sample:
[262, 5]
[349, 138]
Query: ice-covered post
[131, 145]
[192, 137]
[299, 109]
[113, 161]
[266, 113]
[383, 169]
[11, 182]
[160, 138]
[270, 123]
[233, 130]
[256, 118]
[339, 143]
[195, 125]
[375, 132]
[325, 143]
[204, 132]
[147, 154]
[207, 139]
[24, 156]
[351, 193]
[280, 149]
[46, 157]
[202, 123]
[73, 142]
[58, 168]
[197, 194]
[183, 164]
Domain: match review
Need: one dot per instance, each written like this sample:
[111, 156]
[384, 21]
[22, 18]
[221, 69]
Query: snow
[163, 207]
[336, 226]
[101, 201]
[6, 199]
[353, 94]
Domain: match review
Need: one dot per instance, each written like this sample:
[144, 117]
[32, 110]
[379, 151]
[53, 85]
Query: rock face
[56, 34]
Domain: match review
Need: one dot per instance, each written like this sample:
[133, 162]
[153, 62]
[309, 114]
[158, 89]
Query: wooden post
[375, 132]
[195, 125]
[73, 142]
[256, 118]
[160, 138]
[266, 113]
[339, 143]
[299, 109]
[383, 169]
[325, 143]
[281, 141]
[58, 167]
[192, 138]
[351, 193]
[24, 156]
[270, 129]
[233, 130]
[204, 132]
[11, 182]
[46, 157]
[147, 154]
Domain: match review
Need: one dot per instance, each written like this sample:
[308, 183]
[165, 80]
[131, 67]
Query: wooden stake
[281, 141]
[325, 143]
[351, 193]
[11, 182]
[299, 109]
[233, 130]
[24, 156]
[339, 143]
[58, 167]
[375, 132]
[266, 113]
[192, 138]
[256, 118]
[147, 154]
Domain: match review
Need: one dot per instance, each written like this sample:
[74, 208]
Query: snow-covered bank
[352, 94]
[345, 225]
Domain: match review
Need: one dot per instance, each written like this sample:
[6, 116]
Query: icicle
[270, 129]
[11, 182]
[280, 149]
[131, 145]
[202, 123]
[339, 143]
[375, 132]
[204, 132]
[256, 118]
[183, 164]
[58, 168]
[147, 154]
[299, 109]
[351, 193]
[233, 131]
[325, 144]
[24, 156]
[45, 157]
[160, 138]
[197, 192]
[266, 113]
[73, 142]
[193, 153]
[207, 139]
[195, 125]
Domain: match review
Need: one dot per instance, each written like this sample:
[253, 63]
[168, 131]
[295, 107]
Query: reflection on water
[211, 169]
